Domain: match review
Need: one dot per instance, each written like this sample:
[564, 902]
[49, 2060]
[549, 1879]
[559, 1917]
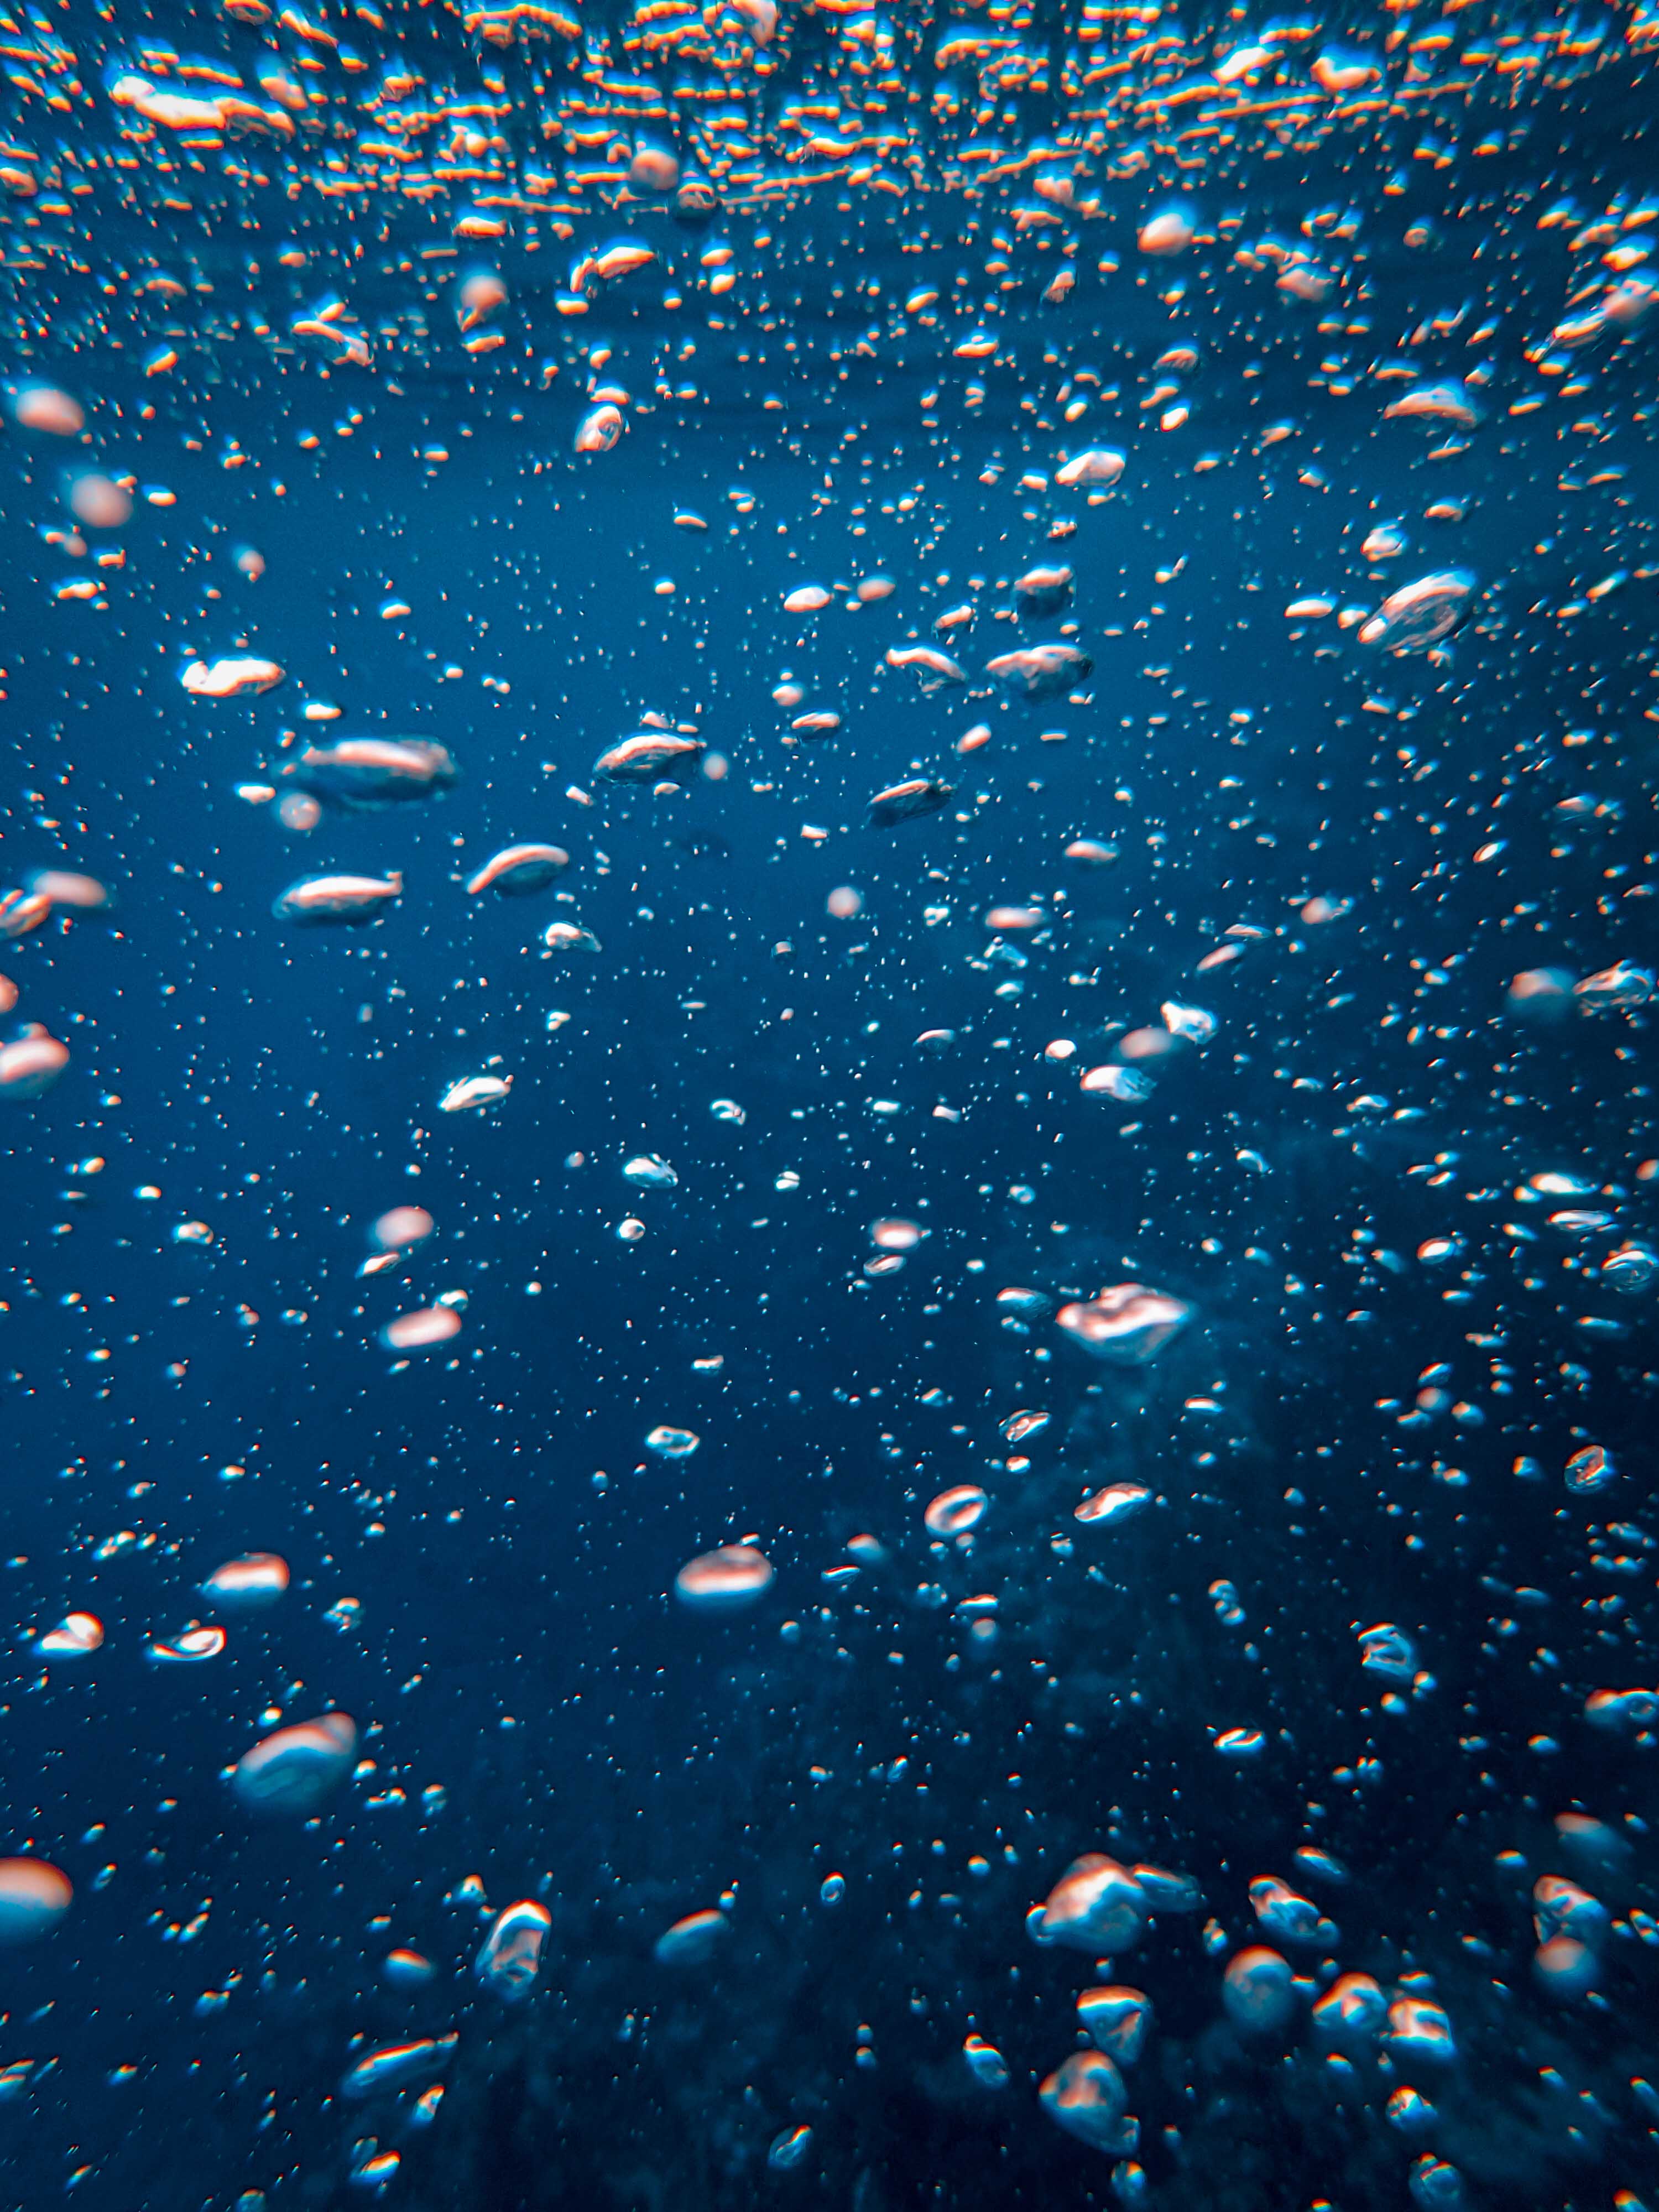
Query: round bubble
[98, 502]
[1257, 1991]
[1565, 1968]
[34, 1898]
[295, 1770]
[1085, 2094]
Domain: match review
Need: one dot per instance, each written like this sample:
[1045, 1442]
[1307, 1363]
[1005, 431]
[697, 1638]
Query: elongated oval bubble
[249, 1584]
[190, 1649]
[724, 1581]
[423, 1330]
[672, 1444]
[1125, 1324]
[297, 1769]
[395, 2066]
[30, 1067]
[518, 870]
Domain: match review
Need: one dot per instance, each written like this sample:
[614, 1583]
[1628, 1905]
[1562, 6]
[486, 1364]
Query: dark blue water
[1393, 1350]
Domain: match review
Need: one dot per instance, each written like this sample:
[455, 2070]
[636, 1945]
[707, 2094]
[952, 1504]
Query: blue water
[1393, 1350]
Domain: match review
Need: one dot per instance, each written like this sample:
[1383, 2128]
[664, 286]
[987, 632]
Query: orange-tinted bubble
[1419, 2030]
[31, 1066]
[43, 407]
[61, 888]
[230, 678]
[393, 2066]
[99, 502]
[653, 169]
[1117, 2020]
[844, 903]
[480, 294]
[22, 911]
[190, 1650]
[1565, 1968]
[724, 1581]
[672, 1444]
[1117, 1502]
[421, 1330]
[1096, 1905]
[400, 1227]
[1541, 991]
[1086, 2096]
[1028, 1422]
[1353, 2011]
[896, 1235]
[519, 870]
[1126, 1323]
[953, 1512]
[75, 1636]
[1145, 1045]
[1099, 466]
[598, 430]
[255, 1580]
[34, 1898]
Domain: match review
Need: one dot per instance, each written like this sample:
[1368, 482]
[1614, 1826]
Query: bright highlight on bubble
[728, 1580]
